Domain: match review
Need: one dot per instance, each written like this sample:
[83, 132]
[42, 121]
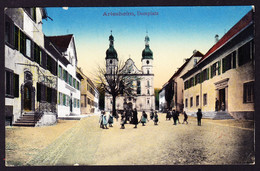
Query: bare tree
[117, 82]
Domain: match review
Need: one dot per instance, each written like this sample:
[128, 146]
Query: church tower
[147, 58]
[111, 56]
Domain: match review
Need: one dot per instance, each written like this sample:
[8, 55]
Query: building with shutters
[68, 90]
[144, 87]
[89, 95]
[223, 79]
[30, 69]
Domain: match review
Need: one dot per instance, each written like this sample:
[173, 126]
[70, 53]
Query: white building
[144, 87]
[68, 83]
[162, 101]
[30, 69]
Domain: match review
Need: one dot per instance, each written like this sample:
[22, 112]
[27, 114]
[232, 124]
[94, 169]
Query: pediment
[130, 68]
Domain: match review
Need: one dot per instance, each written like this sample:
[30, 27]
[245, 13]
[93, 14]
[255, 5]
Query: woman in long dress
[110, 119]
[156, 118]
[144, 118]
[105, 121]
[135, 119]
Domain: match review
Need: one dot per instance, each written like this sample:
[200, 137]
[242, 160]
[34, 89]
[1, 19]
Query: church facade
[144, 99]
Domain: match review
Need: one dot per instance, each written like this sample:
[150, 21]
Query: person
[101, 119]
[174, 117]
[177, 116]
[156, 118]
[151, 114]
[223, 106]
[123, 120]
[199, 116]
[135, 119]
[216, 105]
[185, 118]
[168, 115]
[105, 121]
[110, 119]
[144, 118]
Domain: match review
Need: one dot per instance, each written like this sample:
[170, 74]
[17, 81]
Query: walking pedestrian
[135, 118]
[156, 118]
[168, 115]
[123, 120]
[174, 117]
[144, 118]
[199, 116]
[177, 116]
[110, 119]
[185, 118]
[101, 119]
[105, 121]
[151, 114]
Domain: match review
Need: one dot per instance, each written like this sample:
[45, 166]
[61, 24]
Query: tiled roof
[62, 42]
[240, 25]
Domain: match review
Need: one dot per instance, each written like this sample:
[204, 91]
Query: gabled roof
[196, 54]
[130, 65]
[239, 26]
[62, 41]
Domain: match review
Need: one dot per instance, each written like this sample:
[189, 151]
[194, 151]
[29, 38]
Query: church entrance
[27, 98]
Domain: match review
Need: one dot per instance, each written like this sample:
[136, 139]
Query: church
[144, 100]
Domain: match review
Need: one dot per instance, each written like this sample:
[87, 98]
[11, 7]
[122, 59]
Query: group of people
[131, 116]
[175, 115]
[127, 115]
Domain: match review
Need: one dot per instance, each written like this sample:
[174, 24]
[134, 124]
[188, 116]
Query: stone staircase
[221, 115]
[27, 119]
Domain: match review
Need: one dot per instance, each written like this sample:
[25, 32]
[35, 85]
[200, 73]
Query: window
[234, 58]
[148, 91]
[37, 54]
[205, 99]
[214, 69]
[148, 72]
[77, 85]
[28, 47]
[22, 43]
[16, 37]
[197, 100]
[191, 101]
[70, 80]
[197, 78]
[65, 75]
[186, 102]
[9, 83]
[78, 103]
[50, 62]
[49, 95]
[75, 102]
[90, 102]
[249, 92]
[8, 30]
[39, 92]
[64, 100]
[192, 82]
[226, 63]
[74, 82]
[204, 75]
[148, 101]
[31, 12]
[244, 54]
[60, 71]
[16, 85]
[148, 84]
[138, 90]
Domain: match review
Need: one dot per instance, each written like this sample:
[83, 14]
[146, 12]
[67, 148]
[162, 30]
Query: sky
[175, 32]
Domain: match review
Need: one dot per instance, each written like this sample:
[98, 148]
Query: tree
[117, 82]
[169, 92]
[156, 92]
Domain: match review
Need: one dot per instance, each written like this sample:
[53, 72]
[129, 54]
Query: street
[84, 143]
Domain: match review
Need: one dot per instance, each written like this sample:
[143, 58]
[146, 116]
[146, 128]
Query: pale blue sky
[174, 33]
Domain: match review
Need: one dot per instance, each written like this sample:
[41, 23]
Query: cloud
[65, 8]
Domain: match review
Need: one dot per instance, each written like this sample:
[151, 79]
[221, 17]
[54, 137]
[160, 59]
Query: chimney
[216, 38]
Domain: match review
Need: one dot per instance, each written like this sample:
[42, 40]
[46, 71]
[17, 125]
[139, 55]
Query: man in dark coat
[216, 105]
[185, 118]
[168, 114]
[174, 117]
[151, 114]
[135, 119]
[199, 116]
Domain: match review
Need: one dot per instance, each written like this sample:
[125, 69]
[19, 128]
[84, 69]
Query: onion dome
[111, 52]
[147, 52]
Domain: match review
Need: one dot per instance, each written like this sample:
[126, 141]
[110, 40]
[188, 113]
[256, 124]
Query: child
[156, 118]
[110, 119]
[101, 119]
[143, 118]
[123, 120]
[105, 121]
[185, 118]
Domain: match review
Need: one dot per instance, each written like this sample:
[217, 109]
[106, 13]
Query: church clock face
[147, 62]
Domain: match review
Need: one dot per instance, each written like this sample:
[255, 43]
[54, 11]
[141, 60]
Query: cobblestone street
[84, 143]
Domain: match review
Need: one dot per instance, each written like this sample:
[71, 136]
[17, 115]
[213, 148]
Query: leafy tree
[156, 92]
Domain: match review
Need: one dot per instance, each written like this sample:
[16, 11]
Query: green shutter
[219, 64]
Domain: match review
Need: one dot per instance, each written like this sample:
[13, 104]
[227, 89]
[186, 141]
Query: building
[223, 80]
[68, 83]
[144, 99]
[89, 95]
[30, 69]
[162, 101]
[178, 84]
